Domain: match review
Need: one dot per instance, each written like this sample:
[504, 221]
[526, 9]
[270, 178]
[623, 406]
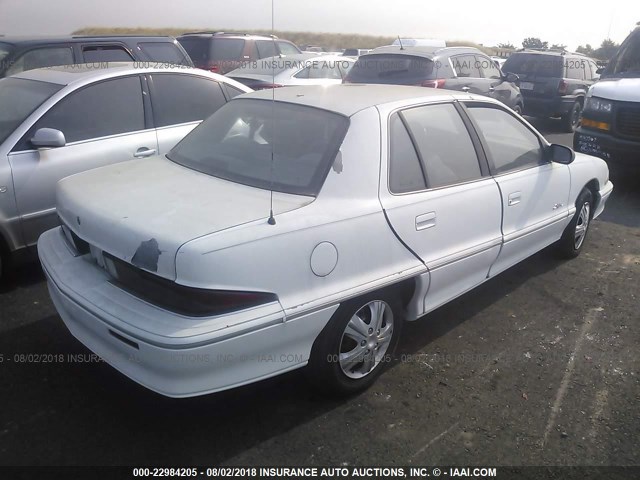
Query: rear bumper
[603, 145]
[173, 355]
[547, 107]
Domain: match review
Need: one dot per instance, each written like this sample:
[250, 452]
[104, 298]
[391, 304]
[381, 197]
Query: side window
[42, 57]
[107, 108]
[321, 70]
[287, 49]
[466, 66]
[405, 173]
[511, 144]
[184, 98]
[444, 144]
[165, 52]
[489, 68]
[105, 53]
[231, 91]
[594, 70]
[266, 48]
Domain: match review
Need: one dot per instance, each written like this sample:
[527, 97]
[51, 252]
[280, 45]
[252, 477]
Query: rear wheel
[357, 344]
[571, 119]
[572, 241]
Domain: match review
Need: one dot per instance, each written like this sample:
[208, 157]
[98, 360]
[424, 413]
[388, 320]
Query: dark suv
[553, 83]
[456, 68]
[21, 53]
[221, 52]
[610, 127]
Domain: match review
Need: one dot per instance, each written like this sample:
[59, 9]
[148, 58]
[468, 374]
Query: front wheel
[571, 119]
[572, 240]
[357, 344]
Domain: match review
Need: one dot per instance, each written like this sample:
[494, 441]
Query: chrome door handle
[492, 89]
[465, 89]
[514, 198]
[557, 206]
[426, 220]
[143, 152]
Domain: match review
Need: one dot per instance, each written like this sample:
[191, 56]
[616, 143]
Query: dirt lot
[539, 366]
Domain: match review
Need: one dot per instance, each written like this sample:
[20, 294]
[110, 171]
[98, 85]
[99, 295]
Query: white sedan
[304, 231]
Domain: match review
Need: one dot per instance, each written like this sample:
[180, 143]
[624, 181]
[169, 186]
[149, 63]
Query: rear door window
[405, 172]
[488, 68]
[105, 53]
[287, 49]
[42, 57]
[107, 108]
[575, 68]
[226, 48]
[466, 66]
[165, 52]
[180, 99]
[266, 48]
[197, 48]
[444, 144]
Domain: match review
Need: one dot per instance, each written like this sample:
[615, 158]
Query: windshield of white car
[392, 69]
[19, 98]
[236, 144]
[627, 62]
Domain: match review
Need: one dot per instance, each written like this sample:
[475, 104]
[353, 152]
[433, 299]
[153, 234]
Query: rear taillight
[438, 83]
[215, 68]
[180, 299]
[562, 87]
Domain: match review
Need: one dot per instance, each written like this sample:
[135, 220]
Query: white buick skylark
[304, 230]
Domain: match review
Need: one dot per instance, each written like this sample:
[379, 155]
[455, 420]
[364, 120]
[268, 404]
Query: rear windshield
[19, 98]
[627, 62]
[391, 69]
[534, 64]
[271, 145]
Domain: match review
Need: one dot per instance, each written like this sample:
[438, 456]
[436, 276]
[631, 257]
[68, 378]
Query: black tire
[571, 119]
[568, 246]
[326, 372]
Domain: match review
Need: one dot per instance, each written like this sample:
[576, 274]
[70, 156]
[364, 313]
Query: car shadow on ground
[547, 126]
[71, 394]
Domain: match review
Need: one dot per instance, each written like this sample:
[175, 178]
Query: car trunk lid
[143, 211]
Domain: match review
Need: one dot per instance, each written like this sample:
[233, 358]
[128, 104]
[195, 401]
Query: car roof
[88, 72]
[226, 35]
[348, 99]
[422, 51]
[32, 41]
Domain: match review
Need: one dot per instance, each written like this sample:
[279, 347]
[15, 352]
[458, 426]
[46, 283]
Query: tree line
[606, 51]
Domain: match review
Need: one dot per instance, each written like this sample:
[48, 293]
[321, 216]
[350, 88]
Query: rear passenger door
[103, 123]
[468, 75]
[440, 200]
[179, 103]
[535, 191]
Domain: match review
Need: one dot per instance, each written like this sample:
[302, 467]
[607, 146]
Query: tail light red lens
[438, 83]
[562, 87]
[188, 301]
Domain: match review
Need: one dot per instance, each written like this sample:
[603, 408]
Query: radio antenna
[272, 220]
[400, 42]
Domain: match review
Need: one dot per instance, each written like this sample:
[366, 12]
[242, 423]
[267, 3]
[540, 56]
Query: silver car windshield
[18, 99]
[271, 145]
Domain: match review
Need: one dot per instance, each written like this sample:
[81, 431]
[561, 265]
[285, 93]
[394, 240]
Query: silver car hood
[143, 211]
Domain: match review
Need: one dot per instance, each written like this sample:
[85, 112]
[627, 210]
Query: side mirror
[561, 154]
[512, 78]
[600, 70]
[48, 138]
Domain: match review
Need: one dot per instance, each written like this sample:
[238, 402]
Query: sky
[571, 23]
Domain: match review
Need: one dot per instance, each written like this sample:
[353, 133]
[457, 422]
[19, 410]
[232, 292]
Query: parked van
[610, 127]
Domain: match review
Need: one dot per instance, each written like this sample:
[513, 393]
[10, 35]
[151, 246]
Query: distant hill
[330, 41]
